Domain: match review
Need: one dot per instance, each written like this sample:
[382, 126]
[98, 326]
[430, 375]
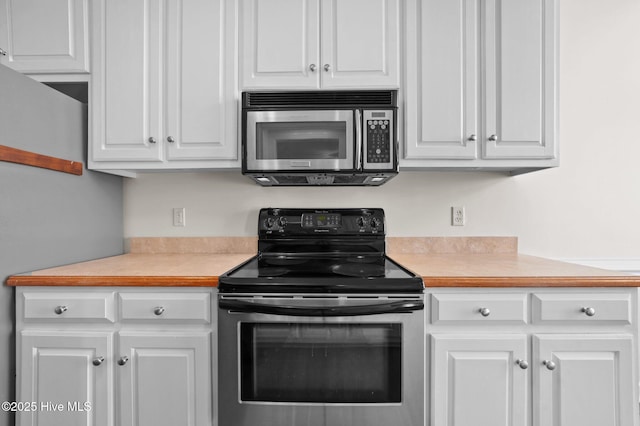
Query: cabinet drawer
[479, 308]
[69, 306]
[582, 307]
[194, 307]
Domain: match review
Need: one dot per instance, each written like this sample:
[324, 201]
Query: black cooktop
[320, 251]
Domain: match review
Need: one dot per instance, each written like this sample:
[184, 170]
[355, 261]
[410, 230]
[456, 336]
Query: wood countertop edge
[429, 282]
[533, 281]
[112, 281]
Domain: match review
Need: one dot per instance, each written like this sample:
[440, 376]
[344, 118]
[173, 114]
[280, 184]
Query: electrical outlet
[457, 216]
[179, 216]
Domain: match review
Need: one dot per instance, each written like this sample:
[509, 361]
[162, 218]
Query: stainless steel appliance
[320, 138]
[321, 327]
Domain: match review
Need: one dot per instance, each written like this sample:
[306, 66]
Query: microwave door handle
[402, 306]
[358, 126]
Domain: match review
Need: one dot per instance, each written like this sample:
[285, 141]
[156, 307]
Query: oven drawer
[478, 308]
[99, 307]
[582, 307]
[193, 307]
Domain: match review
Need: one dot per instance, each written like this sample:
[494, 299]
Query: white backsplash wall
[589, 207]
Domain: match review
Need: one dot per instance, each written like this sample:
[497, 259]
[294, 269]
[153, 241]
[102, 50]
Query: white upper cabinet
[520, 87]
[442, 79]
[481, 84]
[163, 87]
[44, 36]
[318, 44]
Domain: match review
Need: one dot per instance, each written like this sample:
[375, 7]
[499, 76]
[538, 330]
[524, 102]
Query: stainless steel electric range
[321, 327]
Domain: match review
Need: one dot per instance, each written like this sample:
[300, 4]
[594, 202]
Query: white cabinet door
[163, 92]
[442, 79]
[166, 379]
[520, 87]
[44, 36]
[279, 43]
[584, 380]
[477, 380]
[360, 43]
[312, 44]
[201, 111]
[67, 375]
[126, 89]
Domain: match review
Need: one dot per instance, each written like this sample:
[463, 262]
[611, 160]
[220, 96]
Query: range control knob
[374, 223]
[282, 221]
[269, 222]
[361, 222]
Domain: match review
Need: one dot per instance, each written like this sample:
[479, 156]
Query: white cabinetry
[44, 36]
[475, 381]
[561, 357]
[163, 91]
[161, 378]
[65, 376]
[154, 357]
[481, 84]
[312, 44]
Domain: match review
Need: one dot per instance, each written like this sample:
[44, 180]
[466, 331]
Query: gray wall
[47, 218]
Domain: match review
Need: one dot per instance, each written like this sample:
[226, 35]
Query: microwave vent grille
[315, 99]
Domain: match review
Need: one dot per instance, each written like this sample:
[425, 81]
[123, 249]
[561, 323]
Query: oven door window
[300, 140]
[321, 363]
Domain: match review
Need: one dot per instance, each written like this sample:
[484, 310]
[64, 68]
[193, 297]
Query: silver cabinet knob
[493, 138]
[327, 67]
[522, 364]
[485, 312]
[3, 52]
[549, 364]
[159, 310]
[170, 139]
[60, 310]
[472, 138]
[152, 140]
[313, 67]
[98, 361]
[123, 360]
[588, 311]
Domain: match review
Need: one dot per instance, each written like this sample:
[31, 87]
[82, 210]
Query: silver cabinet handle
[152, 140]
[170, 139]
[3, 52]
[588, 311]
[327, 67]
[485, 312]
[493, 138]
[472, 138]
[98, 361]
[60, 310]
[123, 360]
[159, 310]
[549, 364]
[313, 67]
[522, 364]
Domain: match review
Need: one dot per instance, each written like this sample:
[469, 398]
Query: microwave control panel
[378, 126]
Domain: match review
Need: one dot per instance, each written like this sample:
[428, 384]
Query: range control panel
[378, 139]
[303, 222]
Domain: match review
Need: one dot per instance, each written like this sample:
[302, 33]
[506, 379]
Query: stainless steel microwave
[320, 137]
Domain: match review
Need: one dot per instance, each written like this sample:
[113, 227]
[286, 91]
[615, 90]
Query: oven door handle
[399, 307]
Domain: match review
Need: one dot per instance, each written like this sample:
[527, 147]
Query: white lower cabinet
[163, 378]
[148, 362]
[475, 380]
[65, 378]
[584, 380]
[567, 358]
